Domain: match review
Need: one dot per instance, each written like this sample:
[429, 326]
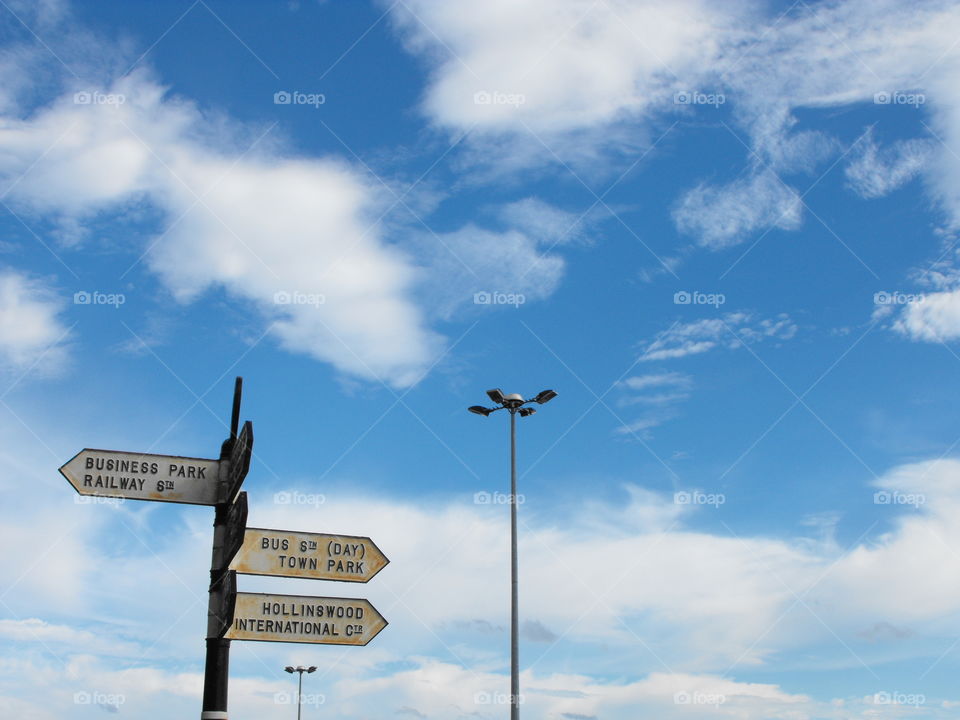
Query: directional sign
[308, 555]
[294, 618]
[239, 461]
[138, 476]
[236, 528]
[226, 590]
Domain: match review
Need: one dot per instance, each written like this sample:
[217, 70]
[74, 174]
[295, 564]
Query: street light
[514, 403]
[300, 669]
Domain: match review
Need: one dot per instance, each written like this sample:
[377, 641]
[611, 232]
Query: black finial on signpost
[235, 417]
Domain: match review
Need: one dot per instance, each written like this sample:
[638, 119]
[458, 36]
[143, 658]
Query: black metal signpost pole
[230, 520]
[218, 648]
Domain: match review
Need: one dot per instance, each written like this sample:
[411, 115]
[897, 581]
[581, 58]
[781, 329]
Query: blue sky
[725, 232]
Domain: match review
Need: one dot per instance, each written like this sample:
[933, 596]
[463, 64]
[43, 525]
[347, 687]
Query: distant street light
[300, 669]
[514, 403]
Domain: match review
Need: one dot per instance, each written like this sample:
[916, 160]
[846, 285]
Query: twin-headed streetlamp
[300, 669]
[515, 404]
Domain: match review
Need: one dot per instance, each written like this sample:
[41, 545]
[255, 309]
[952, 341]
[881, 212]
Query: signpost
[347, 558]
[233, 615]
[139, 476]
[295, 618]
[228, 531]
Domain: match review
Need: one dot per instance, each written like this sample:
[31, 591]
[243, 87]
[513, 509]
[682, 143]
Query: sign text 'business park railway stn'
[295, 618]
[140, 476]
[320, 556]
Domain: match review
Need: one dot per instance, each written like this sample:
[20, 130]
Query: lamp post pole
[299, 693]
[514, 579]
[514, 404]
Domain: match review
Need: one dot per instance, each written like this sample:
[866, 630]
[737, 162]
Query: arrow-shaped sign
[222, 618]
[308, 555]
[139, 476]
[240, 453]
[295, 618]
[236, 528]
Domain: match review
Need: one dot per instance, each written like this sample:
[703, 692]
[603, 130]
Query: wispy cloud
[875, 171]
[729, 332]
[725, 215]
[673, 380]
[658, 393]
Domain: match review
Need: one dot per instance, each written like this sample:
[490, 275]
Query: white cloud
[549, 224]
[65, 638]
[444, 690]
[657, 392]
[701, 600]
[255, 223]
[725, 215]
[641, 426]
[935, 319]
[597, 76]
[487, 269]
[570, 65]
[910, 552]
[730, 331]
[423, 687]
[876, 172]
[32, 334]
[658, 380]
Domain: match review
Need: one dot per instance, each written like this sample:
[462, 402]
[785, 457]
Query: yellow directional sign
[295, 618]
[308, 555]
[139, 476]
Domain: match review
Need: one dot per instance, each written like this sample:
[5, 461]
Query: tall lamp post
[300, 669]
[514, 403]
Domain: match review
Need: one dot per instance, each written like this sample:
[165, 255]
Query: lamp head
[545, 396]
[496, 395]
[290, 669]
[480, 410]
[524, 412]
[311, 669]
